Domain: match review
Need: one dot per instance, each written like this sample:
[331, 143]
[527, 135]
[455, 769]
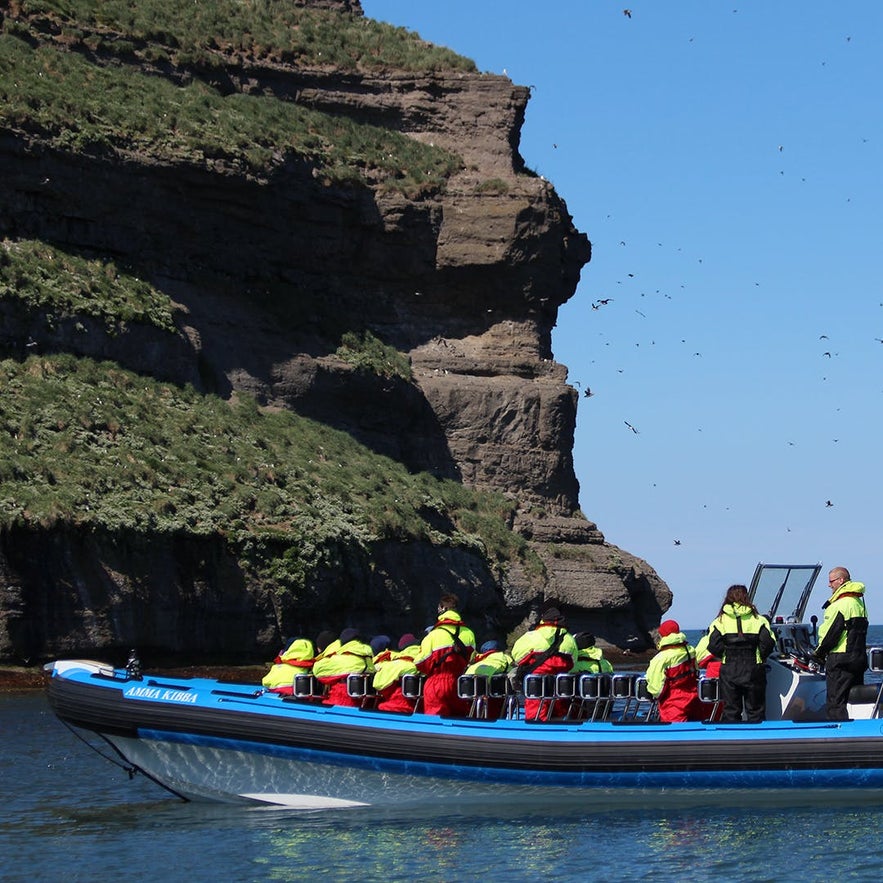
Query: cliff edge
[270, 262]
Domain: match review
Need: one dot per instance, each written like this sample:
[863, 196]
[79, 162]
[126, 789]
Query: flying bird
[828, 504]
[587, 393]
[677, 542]
[635, 431]
[627, 13]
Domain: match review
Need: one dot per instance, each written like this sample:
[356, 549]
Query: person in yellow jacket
[547, 649]
[444, 654]
[390, 671]
[590, 659]
[491, 659]
[673, 676]
[295, 659]
[742, 639]
[353, 656]
[842, 641]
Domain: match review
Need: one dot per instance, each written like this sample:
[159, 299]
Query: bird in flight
[627, 13]
[587, 393]
[635, 431]
[677, 542]
[828, 504]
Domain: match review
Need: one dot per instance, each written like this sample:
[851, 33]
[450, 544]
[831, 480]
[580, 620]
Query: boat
[204, 739]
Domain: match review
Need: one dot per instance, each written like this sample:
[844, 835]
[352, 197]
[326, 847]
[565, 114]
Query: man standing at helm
[842, 641]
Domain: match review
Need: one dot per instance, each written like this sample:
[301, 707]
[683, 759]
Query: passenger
[353, 656]
[842, 641]
[547, 649]
[590, 659]
[295, 659]
[389, 674]
[707, 662]
[673, 676]
[381, 648]
[491, 659]
[709, 668]
[326, 644]
[742, 639]
[444, 654]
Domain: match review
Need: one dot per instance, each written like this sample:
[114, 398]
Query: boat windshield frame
[783, 590]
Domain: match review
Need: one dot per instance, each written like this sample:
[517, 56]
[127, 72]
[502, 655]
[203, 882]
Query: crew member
[353, 656]
[547, 649]
[444, 654]
[742, 639]
[673, 676]
[842, 641]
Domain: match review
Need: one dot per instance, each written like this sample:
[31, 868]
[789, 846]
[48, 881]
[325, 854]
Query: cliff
[268, 265]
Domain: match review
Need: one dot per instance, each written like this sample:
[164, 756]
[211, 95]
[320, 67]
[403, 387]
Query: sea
[69, 814]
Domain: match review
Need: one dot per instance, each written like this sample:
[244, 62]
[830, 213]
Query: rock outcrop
[467, 282]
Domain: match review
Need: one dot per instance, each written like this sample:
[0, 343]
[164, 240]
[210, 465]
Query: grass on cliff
[82, 107]
[57, 284]
[263, 29]
[93, 445]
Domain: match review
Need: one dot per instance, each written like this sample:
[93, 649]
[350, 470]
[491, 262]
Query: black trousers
[743, 687]
[842, 673]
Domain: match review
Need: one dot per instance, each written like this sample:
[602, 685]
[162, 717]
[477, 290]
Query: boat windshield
[783, 590]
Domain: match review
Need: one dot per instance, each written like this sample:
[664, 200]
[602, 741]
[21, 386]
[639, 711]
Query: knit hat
[348, 635]
[584, 640]
[379, 643]
[552, 614]
[324, 639]
[489, 646]
[407, 640]
[669, 627]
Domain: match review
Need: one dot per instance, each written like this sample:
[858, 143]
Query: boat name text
[161, 693]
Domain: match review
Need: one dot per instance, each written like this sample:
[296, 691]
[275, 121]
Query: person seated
[590, 659]
[295, 659]
[673, 676]
[444, 654]
[353, 656]
[381, 647]
[491, 659]
[547, 649]
[388, 677]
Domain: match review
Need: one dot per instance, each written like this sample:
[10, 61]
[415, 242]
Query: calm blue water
[68, 814]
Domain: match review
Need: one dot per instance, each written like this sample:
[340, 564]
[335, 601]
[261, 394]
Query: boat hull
[210, 741]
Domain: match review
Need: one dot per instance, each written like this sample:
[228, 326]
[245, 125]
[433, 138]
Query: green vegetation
[60, 284]
[496, 186]
[369, 354]
[264, 29]
[81, 107]
[93, 445]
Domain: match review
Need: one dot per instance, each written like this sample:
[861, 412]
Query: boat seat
[591, 700]
[709, 691]
[412, 688]
[307, 687]
[361, 686]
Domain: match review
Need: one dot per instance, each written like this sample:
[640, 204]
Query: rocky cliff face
[467, 282]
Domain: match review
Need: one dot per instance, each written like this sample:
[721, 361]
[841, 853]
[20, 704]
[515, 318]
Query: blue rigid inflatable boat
[204, 739]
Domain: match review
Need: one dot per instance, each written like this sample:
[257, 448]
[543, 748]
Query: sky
[726, 161]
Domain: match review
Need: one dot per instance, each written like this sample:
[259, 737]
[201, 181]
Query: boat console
[796, 687]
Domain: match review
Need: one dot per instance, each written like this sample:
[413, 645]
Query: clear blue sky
[726, 161]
